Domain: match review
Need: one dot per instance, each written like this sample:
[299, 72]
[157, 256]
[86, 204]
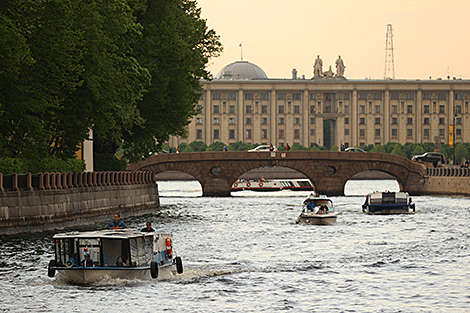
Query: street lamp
[453, 130]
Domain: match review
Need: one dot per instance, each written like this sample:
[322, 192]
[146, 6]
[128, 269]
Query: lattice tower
[389, 62]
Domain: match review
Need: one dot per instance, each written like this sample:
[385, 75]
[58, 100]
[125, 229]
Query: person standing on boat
[116, 223]
[119, 262]
[148, 228]
[88, 262]
[311, 206]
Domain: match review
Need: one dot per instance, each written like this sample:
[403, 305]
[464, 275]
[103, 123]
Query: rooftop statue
[317, 68]
[340, 67]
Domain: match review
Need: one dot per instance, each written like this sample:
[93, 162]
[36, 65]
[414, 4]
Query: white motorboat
[272, 185]
[388, 202]
[317, 210]
[87, 257]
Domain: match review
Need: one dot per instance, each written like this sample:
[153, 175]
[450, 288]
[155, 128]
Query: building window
[248, 96]
[264, 109]
[394, 121]
[346, 131]
[362, 121]
[442, 133]
[216, 120]
[248, 120]
[216, 134]
[394, 96]
[312, 96]
[232, 96]
[409, 96]
[264, 134]
[458, 132]
[312, 109]
[426, 132]
[362, 96]
[377, 121]
[362, 133]
[362, 109]
[346, 96]
[248, 109]
[312, 132]
[281, 120]
[198, 120]
[409, 109]
[216, 96]
[297, 121]
[394, 109]
[199, 133]
[426, 96]
[231, 134]
[264, 96]
[231, 109]
[441, 96]
[281, 133]
[296, 133]
[426, 121]
[281, 96]
[248, 133]
[377, 96]
[442, 109]
[264, 120]
[377, 109]
[297, 96]
[409, 133]
[346, 120]
[231, 120]
[312, 120]
[216, 109]
[458, 109]
[458, 121]
[281, 109]
[377, 133]
[441, 121]
[426, 109]
[346, 109]
[394, 133]
[409, 121]
[296, 109]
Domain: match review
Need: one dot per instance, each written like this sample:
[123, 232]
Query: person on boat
[116, 223]
[148, 228]
[88, 262]
[322, 210]
[120, 262]
[311, 206]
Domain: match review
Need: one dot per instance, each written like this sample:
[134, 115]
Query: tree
[175, 47]
[216, 146]
[398, 150]
[198, 146]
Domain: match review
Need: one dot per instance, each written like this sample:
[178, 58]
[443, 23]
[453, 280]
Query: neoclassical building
[243, 104]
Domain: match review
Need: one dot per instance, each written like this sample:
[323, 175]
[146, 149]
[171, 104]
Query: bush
[22, 166]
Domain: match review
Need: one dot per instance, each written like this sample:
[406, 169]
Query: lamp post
[453, 130]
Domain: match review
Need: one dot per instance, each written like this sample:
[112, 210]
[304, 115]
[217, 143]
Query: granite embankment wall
[32, 203]
[446, 182]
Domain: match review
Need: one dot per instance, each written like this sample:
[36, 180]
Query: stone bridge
[327, 170]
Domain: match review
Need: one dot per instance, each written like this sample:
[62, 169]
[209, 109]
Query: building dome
[241, 70]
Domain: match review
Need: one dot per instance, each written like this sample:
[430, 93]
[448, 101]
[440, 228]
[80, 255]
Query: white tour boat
[272, 185]
[87, 257]
[388, 202]
[317, 210]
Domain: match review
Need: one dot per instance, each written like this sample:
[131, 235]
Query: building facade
[243, 104]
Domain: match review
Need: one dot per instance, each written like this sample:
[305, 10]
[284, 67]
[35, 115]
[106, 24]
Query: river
[246, 254]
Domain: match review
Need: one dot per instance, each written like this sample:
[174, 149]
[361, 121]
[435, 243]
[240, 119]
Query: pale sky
[430, 37]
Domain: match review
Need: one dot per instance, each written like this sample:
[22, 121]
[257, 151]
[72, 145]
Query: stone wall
[39, 210]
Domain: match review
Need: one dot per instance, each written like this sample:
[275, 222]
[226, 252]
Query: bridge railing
[448, 171]
[48, 181]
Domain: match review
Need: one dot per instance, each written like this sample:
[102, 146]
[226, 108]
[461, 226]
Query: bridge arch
[328, 170]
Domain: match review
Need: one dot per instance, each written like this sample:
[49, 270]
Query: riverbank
[274, 173]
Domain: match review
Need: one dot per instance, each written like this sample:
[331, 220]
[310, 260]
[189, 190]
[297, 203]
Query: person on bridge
[116, 223]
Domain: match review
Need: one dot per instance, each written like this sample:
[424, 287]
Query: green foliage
[398, 150]
[461, 153]
[298, 147]
[216, 146]
[21, 166]
[240, 146]
[378, 148]
[188, 148]
[198, 146]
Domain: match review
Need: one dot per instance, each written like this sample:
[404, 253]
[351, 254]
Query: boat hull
[317, 219]
[388, 209]
[85, 276]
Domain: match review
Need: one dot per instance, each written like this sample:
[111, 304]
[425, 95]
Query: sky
[431, 38]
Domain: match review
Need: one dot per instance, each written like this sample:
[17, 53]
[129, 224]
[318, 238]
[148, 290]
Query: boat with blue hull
[88, 257]
[388, 202]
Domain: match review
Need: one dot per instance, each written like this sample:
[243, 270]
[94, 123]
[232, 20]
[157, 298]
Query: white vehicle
[262, 148]
[353, 149]
[87, 257]
[317, 210]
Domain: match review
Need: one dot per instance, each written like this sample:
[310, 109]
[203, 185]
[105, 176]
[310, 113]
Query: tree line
[408, 150]
[129, 70]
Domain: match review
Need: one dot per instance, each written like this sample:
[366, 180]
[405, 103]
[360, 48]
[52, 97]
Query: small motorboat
[388, 202]
[272, 185]
[88, 257]
[317, 210]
